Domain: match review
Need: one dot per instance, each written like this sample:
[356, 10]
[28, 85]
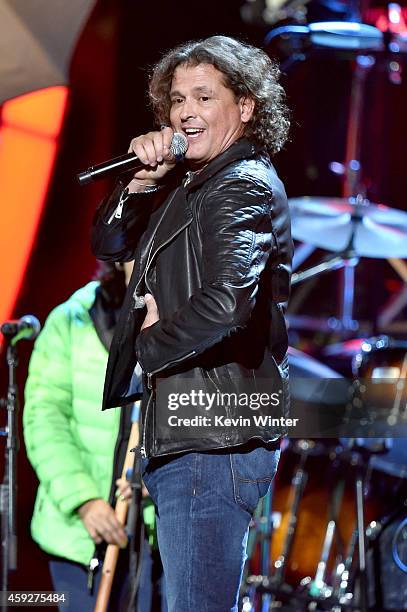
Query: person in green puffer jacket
[76, 449]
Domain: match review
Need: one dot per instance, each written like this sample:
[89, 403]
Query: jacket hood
[83, 299]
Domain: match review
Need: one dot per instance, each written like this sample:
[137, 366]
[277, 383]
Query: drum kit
[332, 533]
[312, 538]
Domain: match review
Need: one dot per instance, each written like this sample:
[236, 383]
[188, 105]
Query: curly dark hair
[247, 71]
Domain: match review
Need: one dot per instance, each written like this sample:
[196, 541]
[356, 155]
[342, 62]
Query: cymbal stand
[343, 572]
[299, 481]
[346, 259]
[266, 532]
[319, 587]
[270, 589]
[359, 458]
[353, 187]
[354, 190]
[260, 533]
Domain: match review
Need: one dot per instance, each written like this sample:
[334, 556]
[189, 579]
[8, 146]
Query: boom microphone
[26, 328]
[130, 161]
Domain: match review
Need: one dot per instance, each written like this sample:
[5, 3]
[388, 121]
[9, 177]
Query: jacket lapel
[241, 149]
[177, 213]
[175, 218]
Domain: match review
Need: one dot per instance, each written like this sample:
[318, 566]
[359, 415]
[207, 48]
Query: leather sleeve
[117, 229]
[237, 239]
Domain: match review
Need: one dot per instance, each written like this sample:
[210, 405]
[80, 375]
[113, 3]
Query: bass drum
[384, 358]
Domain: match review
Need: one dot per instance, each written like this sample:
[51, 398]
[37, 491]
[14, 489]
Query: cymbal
[328, 223]
[342, 35]
[313, 381]
[348, 36]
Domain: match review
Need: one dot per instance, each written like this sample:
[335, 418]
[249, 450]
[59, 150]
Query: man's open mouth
[193, 132]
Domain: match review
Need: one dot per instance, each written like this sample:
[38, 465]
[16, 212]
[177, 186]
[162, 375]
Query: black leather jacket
[215, 251]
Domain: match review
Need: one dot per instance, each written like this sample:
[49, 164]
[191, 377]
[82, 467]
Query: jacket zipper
[165, 366]
[143, 451]
[151, 257]
[213, 382]
[144, 275]
[119, 208]
[226, 407]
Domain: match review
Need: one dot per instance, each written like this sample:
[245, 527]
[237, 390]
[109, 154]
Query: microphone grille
[33, 324]
[179, 145]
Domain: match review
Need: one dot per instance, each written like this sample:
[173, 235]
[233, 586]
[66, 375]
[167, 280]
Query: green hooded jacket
[70, 442]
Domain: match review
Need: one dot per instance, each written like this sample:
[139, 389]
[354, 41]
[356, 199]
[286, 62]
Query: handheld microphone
[26, 328]
[130, 161]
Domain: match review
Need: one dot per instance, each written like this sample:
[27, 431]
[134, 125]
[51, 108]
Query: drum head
[385, 359]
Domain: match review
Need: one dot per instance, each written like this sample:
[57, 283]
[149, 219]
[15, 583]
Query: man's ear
[246, 109]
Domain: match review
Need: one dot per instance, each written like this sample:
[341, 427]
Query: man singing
[205, 302]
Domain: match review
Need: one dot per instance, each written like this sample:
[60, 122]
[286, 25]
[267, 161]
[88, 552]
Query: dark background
[108, 106]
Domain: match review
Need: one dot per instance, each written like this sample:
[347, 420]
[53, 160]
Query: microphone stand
[8, 488]
[135, 528]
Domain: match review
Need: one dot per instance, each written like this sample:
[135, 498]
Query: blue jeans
[204, 503]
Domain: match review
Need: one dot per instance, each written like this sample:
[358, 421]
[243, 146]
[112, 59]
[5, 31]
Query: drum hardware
[341, 595]
[348, 256]
[360, 513]
[377, 358]
[380, 389]
[338, 595]
[401, 564]
[347, 260]
[273, 11]
[393, 308]
[284, 598]
[347, 349]
[314, 382]
[344, 587]
[276, 584]
[377, 231]
[371, 231]
[298, 484]
[273, 590]
[307, 370]
[387, 561]
[396, 304]
[319, 587]
[375, 528]
[343, 574]
[348, 36]
[383, 358]
[325, 324]
[351, 226]
[260, 534]
[316, 594]
[301, 253]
